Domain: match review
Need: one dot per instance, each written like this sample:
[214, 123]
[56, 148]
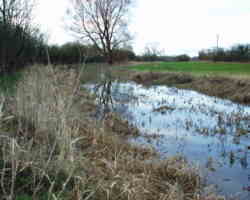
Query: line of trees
[100, 24]
[152, 53]
[74, 52]
[20, 42]
[163, 58]
[237, 53]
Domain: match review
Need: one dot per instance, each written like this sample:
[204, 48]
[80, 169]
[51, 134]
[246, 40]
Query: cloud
[182, 26]
[50, 15]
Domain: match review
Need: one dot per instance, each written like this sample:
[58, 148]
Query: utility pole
[217, 48]
[217, 42]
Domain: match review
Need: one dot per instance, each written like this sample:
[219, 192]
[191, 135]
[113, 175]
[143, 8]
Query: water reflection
[207, 130]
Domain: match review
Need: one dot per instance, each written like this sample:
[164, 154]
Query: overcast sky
[177, 26]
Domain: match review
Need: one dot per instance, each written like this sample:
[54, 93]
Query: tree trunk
[110, 60]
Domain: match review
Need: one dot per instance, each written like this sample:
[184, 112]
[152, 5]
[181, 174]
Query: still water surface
[211, 132]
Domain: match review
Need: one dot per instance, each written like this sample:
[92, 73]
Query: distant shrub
[183, 58]
[237, 53]
[73, 53]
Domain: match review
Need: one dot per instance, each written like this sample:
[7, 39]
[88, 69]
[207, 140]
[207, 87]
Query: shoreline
[236, 89]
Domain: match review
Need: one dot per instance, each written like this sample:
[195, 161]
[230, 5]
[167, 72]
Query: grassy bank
[235, 88]
[52, 148]
[197, 68]
[224, 80]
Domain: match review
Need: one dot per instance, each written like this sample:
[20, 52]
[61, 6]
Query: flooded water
[211, 132]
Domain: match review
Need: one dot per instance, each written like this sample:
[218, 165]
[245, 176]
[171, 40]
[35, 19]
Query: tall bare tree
[102, 23]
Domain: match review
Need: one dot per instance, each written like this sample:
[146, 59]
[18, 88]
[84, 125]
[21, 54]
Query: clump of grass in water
[66, 155]
[241, 132]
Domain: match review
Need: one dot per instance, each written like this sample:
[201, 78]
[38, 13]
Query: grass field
[199, 68]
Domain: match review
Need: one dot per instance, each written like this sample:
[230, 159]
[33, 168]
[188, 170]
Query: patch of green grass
[199, 68]
[8, 81]
[23, 197]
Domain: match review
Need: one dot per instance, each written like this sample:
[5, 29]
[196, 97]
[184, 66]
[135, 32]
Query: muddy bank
[236, 89]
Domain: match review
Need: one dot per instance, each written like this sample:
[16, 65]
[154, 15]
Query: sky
[177, 26]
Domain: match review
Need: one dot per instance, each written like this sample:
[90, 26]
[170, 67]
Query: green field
[199, 68]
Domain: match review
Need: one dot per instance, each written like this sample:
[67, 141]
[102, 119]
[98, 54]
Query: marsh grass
[50, 148]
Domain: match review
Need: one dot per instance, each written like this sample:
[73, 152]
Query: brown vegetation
[51, 148]
[236, 88]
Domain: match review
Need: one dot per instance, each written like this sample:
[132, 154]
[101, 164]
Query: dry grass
[52, 149]
[235, 88]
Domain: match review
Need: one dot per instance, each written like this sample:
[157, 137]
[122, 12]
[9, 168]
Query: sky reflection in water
[212, 132]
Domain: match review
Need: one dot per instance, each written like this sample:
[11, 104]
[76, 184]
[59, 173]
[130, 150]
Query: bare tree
[152, 51]
[102, 23]
[16, 12]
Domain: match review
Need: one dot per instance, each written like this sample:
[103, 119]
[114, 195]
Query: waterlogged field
[210, 132]
[199, 68]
